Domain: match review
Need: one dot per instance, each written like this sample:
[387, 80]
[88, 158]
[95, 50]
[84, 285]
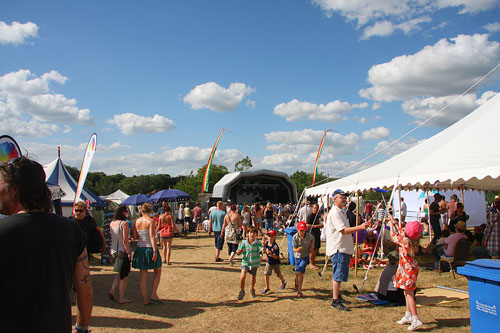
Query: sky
[158, 80]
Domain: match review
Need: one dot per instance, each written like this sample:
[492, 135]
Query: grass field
[200, 295]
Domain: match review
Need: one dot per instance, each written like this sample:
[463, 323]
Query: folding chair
[461, 253]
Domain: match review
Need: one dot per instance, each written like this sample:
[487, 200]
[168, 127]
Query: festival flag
[87, 159]
[9, 149]
[204, 186]
[319, 153]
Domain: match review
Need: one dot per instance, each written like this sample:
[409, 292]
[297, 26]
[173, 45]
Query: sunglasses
[79, 210]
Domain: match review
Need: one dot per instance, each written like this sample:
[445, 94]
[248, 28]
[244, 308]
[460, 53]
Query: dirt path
[200, 295]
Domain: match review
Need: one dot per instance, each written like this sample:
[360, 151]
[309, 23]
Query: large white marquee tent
[465, 155]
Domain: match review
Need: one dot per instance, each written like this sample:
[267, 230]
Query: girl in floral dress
[406, 275]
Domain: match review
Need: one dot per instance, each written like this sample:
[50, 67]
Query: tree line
[101, 184]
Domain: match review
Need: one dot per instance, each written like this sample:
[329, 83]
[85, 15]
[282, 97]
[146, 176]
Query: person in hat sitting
[448, 248]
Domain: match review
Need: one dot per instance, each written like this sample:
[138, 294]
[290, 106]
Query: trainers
[283, 286]
[336, 304]
[344, 301]
[265, 291]
[218, 260]
[415, 325]
[241, 295]
[405, 320]
[252, 292]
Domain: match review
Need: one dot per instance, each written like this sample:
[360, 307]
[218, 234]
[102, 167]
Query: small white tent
[117, 197]
[464, 155]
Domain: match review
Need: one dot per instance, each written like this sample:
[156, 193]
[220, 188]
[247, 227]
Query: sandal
[265, 291]
[300, 294]
[283, 285]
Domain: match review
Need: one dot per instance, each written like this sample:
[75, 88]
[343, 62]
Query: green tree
[304, 179]
[192, 183]
[243, 164]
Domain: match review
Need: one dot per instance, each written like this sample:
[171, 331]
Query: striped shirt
[251, 253]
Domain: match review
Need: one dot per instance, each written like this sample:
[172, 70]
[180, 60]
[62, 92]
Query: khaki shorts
[268, 270]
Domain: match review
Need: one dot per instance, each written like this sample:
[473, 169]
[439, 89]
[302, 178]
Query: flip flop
[283, 286]
[156, 301]
[125, 302]
[111, 297]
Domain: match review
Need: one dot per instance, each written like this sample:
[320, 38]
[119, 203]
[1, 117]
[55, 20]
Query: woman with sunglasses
[89, 228]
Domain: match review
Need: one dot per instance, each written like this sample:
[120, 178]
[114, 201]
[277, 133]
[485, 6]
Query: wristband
[81, 329]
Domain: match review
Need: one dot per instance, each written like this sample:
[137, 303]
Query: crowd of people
[248, 231]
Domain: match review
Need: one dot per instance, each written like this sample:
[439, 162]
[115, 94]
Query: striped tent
[56, 173]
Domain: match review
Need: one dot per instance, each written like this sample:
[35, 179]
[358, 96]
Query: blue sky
[158, 80]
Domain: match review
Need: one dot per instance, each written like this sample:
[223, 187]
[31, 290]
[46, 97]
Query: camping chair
[461, 253]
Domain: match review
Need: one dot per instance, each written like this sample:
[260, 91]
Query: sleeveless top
[117, 237]
[246, 218]
[269, 214]
[144, 239]
[166, 229]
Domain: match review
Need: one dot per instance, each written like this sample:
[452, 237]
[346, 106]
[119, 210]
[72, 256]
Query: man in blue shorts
[216, 220]
[340, 246]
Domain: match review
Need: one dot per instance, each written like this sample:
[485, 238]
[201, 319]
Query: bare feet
[111, 296]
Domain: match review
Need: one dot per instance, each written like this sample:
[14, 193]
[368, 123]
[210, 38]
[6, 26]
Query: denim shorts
[300, 264]
[340, 265]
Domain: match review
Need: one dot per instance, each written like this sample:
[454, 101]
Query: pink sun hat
[413, 229]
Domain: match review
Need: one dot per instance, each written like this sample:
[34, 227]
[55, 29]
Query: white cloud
[376, 133]
[386, 28]
[27, 101]
[16, 33]
[385, 16]
[333, 112]
[376, 106]
[393, 148]
[468, 6]
[115, 158]
[362, 120]
[212, 96]
[492, 27]
[130, 123]
[250, 103]
[445, 68]
[306, 142]
[423, 108]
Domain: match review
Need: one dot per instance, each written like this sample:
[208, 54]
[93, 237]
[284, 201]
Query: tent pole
[356, 248]
[400, 215]
[463, 195]
[429, 213]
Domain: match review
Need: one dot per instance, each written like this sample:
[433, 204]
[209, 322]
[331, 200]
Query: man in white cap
[340, 246]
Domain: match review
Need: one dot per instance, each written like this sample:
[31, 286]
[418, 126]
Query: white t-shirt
[335, 223]
[304, 211]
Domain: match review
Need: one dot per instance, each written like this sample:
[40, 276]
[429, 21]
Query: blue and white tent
[56, 173]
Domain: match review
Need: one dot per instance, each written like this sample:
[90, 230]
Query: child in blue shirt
[273, 261]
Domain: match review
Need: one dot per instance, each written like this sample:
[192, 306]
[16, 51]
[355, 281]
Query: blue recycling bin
[290, 231]
[484, 293]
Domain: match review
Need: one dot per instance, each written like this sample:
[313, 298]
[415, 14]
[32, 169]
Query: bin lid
[488, 269]
[291, 230]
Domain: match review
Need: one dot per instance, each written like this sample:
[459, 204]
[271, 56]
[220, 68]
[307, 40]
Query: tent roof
[464, 154]
[56, 173]
[117, 196]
